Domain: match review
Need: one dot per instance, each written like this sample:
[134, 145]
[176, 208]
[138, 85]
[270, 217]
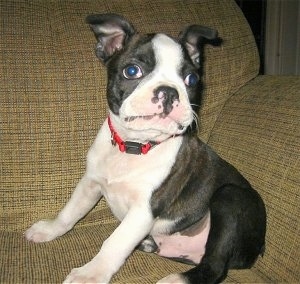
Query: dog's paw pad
[173, 279]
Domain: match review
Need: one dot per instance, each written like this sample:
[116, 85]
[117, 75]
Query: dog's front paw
[45, 231]
[86, 274]
[173, 279]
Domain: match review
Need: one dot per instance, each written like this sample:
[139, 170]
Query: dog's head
[153, 79]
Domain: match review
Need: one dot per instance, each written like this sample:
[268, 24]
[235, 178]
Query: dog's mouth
[145, 117]
[151, 116]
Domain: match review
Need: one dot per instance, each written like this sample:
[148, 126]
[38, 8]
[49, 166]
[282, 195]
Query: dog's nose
[167, 96]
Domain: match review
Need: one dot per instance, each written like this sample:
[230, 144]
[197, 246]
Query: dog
[172, 193]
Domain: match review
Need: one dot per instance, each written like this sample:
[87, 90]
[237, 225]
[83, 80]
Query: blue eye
[191, 80]
[132, 72]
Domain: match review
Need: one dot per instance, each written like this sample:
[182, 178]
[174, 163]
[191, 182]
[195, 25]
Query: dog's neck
[130, 147]
[125, 139]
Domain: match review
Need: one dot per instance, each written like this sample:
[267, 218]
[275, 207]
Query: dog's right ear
[112, 33]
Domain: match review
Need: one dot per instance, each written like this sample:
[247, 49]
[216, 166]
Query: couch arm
[258, 131]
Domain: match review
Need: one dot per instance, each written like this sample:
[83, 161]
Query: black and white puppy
[173, 195]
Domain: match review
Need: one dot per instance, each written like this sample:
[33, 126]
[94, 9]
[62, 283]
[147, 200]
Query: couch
[52, 103]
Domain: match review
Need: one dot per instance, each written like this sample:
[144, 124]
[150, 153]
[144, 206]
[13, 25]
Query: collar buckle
[133, 147]
[129, 147]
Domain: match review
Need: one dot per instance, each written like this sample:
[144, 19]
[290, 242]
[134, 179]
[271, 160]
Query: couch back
[53, 88]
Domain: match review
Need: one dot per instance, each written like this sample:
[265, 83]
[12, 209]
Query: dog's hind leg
[236, 237]
[148, 245]
[213, 267]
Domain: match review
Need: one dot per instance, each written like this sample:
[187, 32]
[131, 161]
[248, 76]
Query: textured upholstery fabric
[52, 103]
[263, 119]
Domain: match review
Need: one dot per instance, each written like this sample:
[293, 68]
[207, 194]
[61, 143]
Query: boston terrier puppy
[174, 196]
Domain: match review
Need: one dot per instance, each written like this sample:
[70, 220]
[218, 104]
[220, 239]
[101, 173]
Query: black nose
[167, 96]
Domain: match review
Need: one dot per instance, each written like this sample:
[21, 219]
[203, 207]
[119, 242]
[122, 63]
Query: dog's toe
[148, 245]
[89, 273]
[173, 279]
[44, 231]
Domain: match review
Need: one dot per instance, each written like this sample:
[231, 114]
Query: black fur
[118, 87]
[200, 181]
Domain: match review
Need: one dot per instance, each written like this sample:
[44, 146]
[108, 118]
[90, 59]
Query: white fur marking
[168, 54]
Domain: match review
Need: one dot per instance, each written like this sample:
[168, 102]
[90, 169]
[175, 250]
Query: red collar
[129, 147]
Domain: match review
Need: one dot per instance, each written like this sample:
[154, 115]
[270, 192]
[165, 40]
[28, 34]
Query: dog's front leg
[85, 196]
[114, 251]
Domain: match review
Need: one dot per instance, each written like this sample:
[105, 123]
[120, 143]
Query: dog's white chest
[128, 179]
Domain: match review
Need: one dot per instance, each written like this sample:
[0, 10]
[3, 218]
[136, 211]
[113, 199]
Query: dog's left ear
[112, 32]
[194, 37]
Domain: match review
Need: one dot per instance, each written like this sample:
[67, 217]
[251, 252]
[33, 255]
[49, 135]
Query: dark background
[255, 13]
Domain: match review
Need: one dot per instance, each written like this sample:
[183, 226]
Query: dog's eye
[191, 80]
[132, 72]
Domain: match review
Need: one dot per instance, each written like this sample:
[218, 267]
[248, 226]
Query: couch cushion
[258, 131]
[53, 88]
[23, 262]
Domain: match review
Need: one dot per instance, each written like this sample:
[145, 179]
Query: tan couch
[52, 103]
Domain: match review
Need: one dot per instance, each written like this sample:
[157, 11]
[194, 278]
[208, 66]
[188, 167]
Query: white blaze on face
[139, 106]
[168, 55]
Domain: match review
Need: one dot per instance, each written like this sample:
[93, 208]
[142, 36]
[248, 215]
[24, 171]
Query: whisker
[196, 119]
